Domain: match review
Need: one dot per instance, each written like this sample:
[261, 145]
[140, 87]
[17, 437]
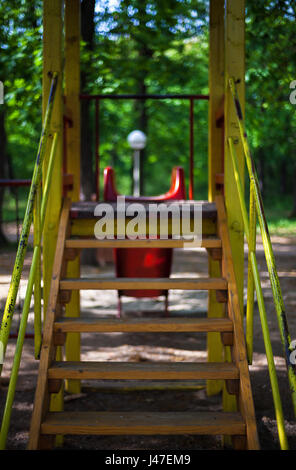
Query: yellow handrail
[253, 267]
[23, 242]
[256, 208]
[34, 281]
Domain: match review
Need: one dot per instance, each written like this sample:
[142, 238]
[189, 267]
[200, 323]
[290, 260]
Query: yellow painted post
[52, 62]
[216, 91]
[72, 92]
[235, 67]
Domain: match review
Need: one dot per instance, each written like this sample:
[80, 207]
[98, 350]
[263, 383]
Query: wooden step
[146, 371]
[80, 243]
[86, 209]
[124, 386]
[127, 423]
[143, 283]
[142, 325]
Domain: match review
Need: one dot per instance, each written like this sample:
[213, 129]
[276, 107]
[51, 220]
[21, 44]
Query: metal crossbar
[190, 97]
[256, 210]
[37, 206]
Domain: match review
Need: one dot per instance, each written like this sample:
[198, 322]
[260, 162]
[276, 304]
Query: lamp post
[137, 141]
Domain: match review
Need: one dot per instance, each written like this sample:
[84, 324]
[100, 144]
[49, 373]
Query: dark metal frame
[98, 98]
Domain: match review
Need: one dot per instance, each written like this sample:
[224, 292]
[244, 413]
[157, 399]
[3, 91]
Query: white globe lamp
[137, 141]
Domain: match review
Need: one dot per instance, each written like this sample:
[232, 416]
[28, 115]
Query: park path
[166, 347]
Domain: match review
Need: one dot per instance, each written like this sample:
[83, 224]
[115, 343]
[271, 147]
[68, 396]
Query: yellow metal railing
[256, 210]
[36, 206]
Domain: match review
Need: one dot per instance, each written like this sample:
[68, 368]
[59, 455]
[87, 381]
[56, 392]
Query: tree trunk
[3, 169]
[141, 111]
[144, 56]
[261, 172]
[87, 149]
[87, 138]
[293, 213]
[283, 176]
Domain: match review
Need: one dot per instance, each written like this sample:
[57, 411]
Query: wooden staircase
[241, 424]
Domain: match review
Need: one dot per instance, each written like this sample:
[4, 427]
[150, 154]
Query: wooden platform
[85, 209]
[83, 219]
[78, 221]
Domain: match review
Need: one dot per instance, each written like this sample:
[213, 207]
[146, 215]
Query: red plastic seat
[144, 262]
[177, 190]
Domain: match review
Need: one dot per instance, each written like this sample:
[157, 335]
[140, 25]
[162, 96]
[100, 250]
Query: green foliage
[271, 118]
[21, 72]
[159, 46]
[155, 47]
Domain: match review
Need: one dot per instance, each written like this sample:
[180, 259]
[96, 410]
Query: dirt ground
[112, 396]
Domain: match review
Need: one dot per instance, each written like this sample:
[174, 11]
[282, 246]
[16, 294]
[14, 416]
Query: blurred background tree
[161, 47]
[270, 67]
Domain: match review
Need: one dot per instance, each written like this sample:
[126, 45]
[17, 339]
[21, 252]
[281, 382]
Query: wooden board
[126, 386]
[81, 227]
[240, 352]
[47, 352]
[209, 242]
[141, 325]
[144, 283]
[127, 423]
[144, 371]
[85, 209]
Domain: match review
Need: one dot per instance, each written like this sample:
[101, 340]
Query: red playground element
[177, 190]
[144, 262]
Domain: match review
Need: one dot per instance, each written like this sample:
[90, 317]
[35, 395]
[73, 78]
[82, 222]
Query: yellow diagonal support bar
[37, 280]
[38, 228]
[22, 246]
[251, 240]
[33, 279]
[261, 305]
[268, 250]
[250, 282]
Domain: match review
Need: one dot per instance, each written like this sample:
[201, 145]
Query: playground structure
[66, 226]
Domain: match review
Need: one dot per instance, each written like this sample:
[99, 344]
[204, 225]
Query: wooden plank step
[144, 371]
[153, 423]
[124, 386]
[143, 283]
[207, 242]
[85, 227]
[86, 209]
[142, 325]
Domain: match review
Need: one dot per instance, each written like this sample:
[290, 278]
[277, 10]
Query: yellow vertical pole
[52, 62]
[235, 67]
[37, 284]
[72, 91]
[216, 91]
